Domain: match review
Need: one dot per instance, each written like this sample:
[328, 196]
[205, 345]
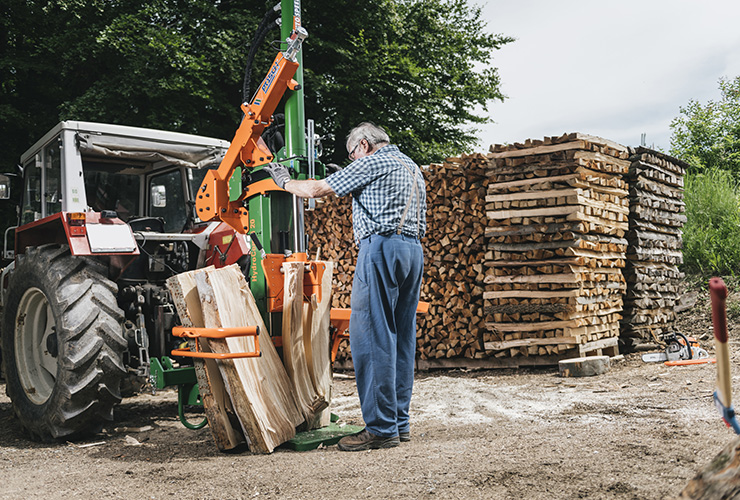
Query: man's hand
[278, 172]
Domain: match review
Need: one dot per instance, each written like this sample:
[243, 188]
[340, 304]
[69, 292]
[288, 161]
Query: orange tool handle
[718, 294]
[682, 362]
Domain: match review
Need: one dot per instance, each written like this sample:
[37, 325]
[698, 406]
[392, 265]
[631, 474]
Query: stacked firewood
[330, 237]
[329, 230]
[654, 251]
[558, 213]
[454, 251]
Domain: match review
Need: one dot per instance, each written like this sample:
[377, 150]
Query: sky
[614, 69]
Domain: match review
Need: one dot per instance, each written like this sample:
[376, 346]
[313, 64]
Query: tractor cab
[134, 172]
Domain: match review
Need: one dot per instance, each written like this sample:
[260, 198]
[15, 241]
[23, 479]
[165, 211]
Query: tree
[411, 65]
[708, 136]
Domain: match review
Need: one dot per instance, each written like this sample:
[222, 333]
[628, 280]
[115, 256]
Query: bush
[711, 237]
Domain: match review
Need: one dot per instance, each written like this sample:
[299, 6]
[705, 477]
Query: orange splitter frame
[272, 265]
[247, 147]
[216, 333]
[339, 317]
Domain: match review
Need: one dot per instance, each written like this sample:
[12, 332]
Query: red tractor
[105, 217]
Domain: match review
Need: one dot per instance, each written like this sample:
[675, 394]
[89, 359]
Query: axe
[723, 394]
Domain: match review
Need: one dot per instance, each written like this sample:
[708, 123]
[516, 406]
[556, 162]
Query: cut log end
[584, 367]
[719, 479]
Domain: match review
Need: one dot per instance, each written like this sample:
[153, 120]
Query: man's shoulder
[389, 153]
[388, 150]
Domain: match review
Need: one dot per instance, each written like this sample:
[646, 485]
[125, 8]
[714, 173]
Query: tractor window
[31, 210]
[53, 187]
[195, 179]
[107, 188]
[167, 200]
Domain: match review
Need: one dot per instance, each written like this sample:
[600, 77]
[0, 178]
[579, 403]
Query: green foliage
[410, 65]
[708, 136]
[733, 307]
[711, 236]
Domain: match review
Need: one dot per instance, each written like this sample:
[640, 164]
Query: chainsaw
[679, 347]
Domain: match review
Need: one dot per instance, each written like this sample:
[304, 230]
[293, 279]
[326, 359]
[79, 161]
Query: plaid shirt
[381, 185]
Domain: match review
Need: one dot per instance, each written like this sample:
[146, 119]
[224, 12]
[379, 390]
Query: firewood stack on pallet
[558, 214]
[454, 251]
[654, 252]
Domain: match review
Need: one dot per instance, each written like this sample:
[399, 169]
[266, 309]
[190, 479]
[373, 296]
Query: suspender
[413, 193]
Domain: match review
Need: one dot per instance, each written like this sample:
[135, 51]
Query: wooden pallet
[603, 347]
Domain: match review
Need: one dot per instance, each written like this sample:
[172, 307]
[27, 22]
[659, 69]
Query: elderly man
[389, 219]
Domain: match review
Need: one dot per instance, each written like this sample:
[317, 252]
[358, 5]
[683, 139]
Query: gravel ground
[640, 431]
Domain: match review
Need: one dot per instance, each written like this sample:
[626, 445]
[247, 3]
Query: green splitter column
[277, 218]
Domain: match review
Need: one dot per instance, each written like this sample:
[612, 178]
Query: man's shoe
[404, 437]
[365, 440]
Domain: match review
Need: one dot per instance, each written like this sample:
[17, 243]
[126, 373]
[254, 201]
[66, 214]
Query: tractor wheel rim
[37, 367]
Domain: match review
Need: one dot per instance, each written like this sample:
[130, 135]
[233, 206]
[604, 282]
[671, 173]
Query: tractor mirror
[4, 187]
[159, 196]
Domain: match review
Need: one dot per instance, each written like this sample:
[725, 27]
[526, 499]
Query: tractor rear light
[76, 222]
[76, 218]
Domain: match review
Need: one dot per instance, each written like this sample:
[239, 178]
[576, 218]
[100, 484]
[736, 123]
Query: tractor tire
[62, 343]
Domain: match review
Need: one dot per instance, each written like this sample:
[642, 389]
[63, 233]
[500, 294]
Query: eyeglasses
[352, 153]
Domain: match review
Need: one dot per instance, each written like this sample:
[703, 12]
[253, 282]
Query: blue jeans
[382, 329]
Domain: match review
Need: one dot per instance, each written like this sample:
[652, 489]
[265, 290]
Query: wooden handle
[718, 294]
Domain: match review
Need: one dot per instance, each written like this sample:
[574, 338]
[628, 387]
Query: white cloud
[609, 69]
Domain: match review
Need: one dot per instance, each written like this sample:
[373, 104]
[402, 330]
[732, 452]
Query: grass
[711, 237]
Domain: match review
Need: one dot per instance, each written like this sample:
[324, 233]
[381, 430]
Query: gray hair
[368, 131]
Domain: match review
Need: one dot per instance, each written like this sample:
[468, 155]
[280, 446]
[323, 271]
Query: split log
[317, 342]
[216, 404]
[719, 479]
[259, 388]
[310, 403]
[583, 367]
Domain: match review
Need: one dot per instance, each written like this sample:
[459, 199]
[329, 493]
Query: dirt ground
[640, 431]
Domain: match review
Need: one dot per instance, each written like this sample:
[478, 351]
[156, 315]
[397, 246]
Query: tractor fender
[86, 234]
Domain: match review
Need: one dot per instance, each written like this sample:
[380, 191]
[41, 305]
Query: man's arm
[308, 188]
[304, 189]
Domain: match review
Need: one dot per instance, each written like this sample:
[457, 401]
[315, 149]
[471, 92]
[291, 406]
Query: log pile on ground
[454, 251]
[542, 228]
[654, 251]
[558, 213]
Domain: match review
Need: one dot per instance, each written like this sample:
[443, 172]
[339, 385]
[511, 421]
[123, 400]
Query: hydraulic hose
[268, 23]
